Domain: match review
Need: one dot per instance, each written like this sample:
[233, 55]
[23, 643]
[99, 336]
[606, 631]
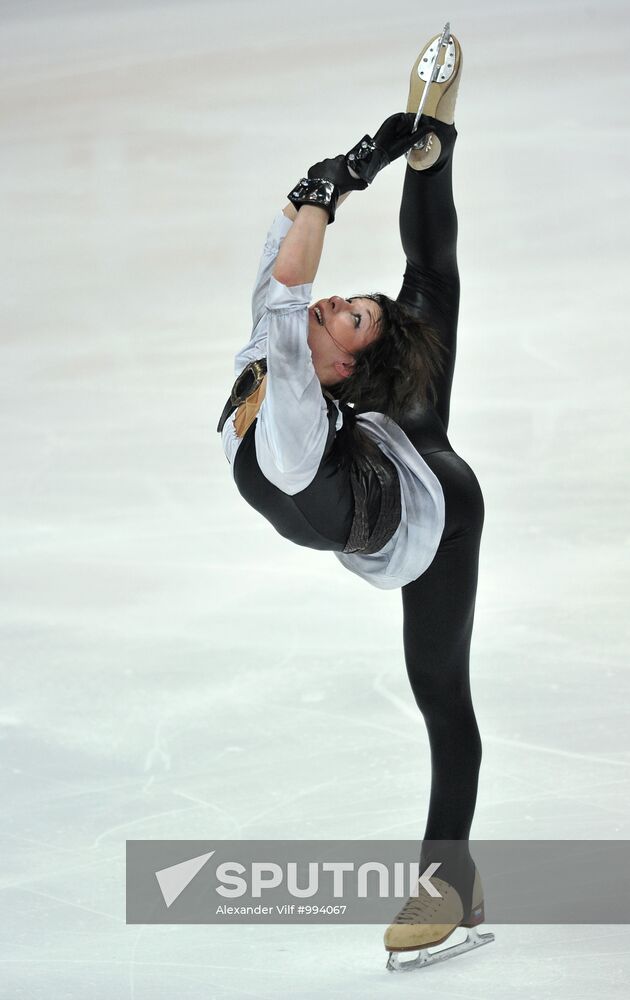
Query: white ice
[172, 668]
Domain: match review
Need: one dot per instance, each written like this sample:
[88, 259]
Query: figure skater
[336, 430]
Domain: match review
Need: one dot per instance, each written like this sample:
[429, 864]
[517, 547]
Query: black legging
[439, 606]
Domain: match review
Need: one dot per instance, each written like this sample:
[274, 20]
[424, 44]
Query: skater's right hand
[327, 181]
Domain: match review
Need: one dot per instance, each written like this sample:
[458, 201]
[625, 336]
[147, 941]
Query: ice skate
[426, 922]
[433, 91]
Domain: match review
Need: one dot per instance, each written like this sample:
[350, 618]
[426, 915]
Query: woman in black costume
[337, 433]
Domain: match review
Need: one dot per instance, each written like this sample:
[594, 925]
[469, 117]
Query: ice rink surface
[172, 668]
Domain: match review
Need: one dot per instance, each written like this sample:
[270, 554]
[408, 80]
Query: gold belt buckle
[248, 381]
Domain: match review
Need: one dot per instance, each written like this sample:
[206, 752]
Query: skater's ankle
[438, 146]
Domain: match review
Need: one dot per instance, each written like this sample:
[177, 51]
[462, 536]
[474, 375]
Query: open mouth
[318, 314]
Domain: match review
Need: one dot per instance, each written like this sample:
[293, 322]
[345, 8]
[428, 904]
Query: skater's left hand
[393, 138]
[335, 169]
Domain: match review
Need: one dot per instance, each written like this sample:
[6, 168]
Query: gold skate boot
[425, 922]
[433, 91]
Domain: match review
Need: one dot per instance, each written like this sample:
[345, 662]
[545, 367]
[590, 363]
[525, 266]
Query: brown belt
[248, 410]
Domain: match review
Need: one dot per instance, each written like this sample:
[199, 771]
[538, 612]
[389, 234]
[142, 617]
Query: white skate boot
[426, 922]
[433, 91]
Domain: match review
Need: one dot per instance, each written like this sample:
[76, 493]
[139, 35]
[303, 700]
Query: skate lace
[417, 907]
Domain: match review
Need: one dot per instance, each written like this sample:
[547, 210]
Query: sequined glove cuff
[316, 191]
[366, 159]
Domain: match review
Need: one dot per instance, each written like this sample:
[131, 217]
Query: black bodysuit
[438, 607]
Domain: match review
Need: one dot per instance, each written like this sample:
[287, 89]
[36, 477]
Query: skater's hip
[463, 497]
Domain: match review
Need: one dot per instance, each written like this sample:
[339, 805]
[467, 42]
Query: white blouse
[292, 427]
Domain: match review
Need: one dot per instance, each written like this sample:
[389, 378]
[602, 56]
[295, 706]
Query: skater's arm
[292, 425]
[313, 200]
[301, 250]
[281, 225]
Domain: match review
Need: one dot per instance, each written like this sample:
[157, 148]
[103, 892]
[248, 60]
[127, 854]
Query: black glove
[325, 183]
[394, 137]
[336, 170]
[329, 179]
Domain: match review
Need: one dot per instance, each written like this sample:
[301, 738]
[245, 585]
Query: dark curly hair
[398, 369]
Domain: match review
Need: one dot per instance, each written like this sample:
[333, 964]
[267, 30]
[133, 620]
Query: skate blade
[473, 940]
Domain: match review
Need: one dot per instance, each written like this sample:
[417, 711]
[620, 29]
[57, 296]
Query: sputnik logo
[173, 880]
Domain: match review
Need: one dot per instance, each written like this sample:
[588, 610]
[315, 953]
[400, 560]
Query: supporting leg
[438, 614]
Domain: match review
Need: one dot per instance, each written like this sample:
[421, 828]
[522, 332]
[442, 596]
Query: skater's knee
[440, 693]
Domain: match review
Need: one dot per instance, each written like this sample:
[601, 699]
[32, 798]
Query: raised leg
[428, 231]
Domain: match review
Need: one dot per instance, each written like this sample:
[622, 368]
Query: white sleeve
[277, 231]
[256, 347]
[292, 425]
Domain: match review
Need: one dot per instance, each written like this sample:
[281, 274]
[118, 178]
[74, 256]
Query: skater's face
[337, 328]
